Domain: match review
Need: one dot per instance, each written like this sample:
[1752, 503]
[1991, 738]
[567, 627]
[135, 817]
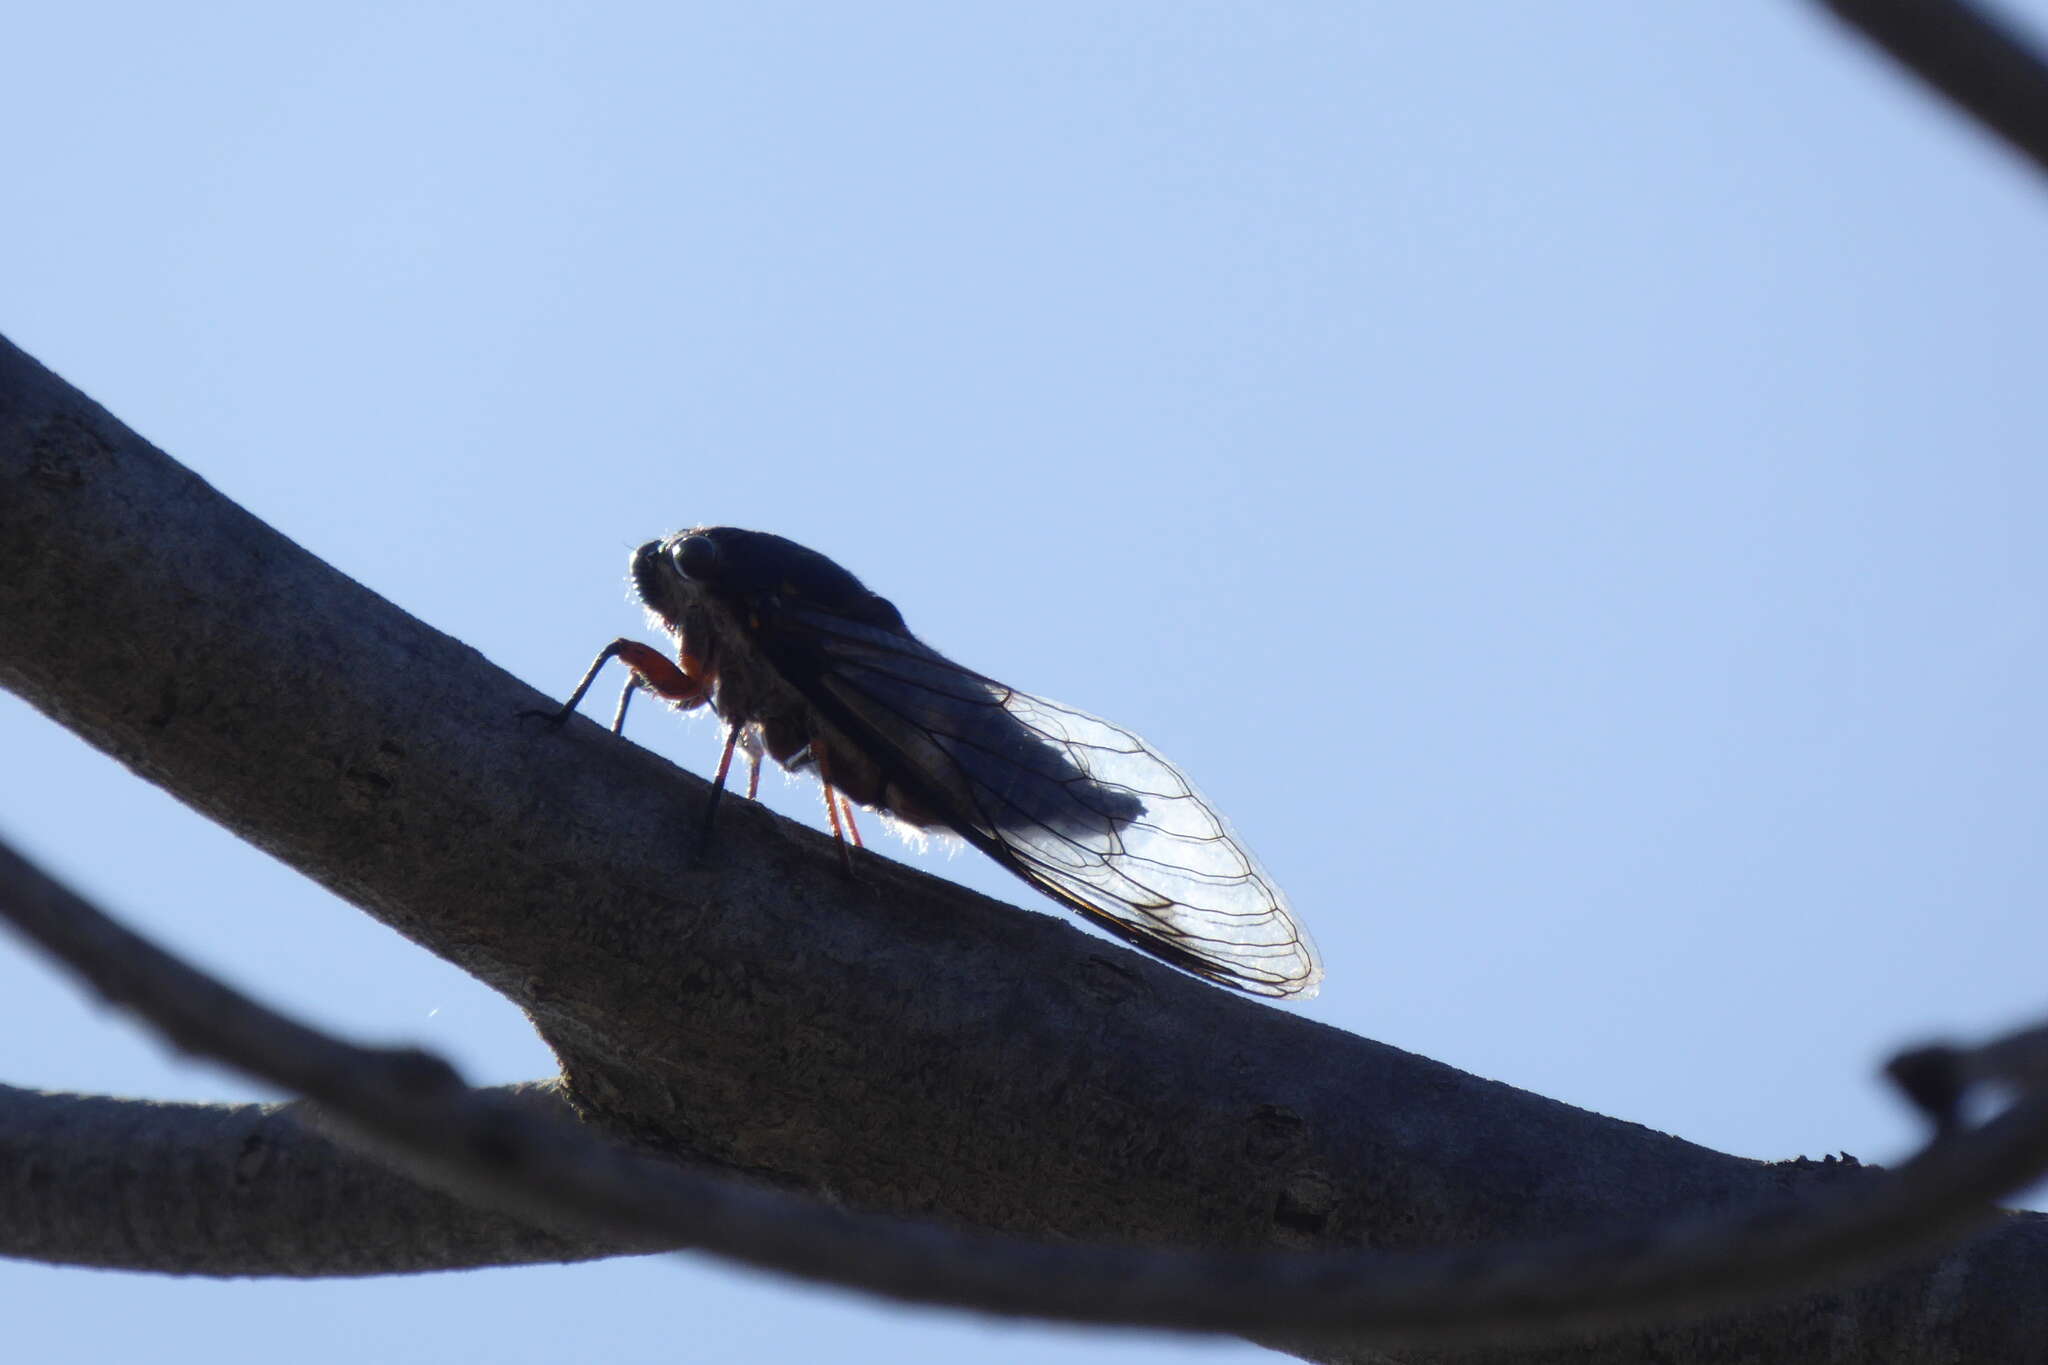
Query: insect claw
[554, 718]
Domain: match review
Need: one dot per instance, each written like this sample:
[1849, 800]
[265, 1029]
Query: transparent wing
[1084, 809]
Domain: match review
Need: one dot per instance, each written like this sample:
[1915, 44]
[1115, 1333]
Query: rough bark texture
[897, 1043]
[230, 1189]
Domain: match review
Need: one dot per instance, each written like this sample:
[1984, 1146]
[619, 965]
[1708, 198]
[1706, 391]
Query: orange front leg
[685, 681]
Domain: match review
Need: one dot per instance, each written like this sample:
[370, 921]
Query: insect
[806, 665]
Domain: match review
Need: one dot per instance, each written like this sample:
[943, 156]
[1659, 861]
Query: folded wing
[1083, 809]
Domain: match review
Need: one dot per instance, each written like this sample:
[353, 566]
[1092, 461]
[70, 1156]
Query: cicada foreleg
[675, 679]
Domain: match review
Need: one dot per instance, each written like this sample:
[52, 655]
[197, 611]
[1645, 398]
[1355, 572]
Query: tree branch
[241, 1189]
[761, 1012]
[511, 1155]
[1960, 50]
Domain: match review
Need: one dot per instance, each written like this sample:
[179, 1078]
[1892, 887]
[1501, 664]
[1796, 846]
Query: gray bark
[231, 1189]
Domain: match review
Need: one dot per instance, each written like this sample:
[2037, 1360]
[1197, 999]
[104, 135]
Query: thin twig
[413, 1103]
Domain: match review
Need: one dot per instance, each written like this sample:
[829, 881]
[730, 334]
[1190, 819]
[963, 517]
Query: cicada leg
[677, 680]
[683, 680]
[625, 699]
[834, 800]
[732, 739]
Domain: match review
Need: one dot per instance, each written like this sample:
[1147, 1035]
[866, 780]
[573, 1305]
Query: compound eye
[695, 557]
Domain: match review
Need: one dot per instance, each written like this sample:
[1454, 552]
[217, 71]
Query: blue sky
[1565, 480]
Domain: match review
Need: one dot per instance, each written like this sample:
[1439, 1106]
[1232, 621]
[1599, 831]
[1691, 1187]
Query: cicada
[806, 665]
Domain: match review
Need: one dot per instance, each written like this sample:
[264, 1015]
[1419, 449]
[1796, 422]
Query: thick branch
[899, 1043]
[415, 1106]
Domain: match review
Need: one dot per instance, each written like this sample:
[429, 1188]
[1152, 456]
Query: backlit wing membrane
[1087, 811]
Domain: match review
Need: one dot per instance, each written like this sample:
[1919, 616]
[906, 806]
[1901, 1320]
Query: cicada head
[753, 616]
[748, 574]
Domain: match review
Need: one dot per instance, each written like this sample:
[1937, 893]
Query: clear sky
[1566, 479]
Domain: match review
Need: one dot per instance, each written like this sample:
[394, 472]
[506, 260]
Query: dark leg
[732, 738]
[651, 669]
[625, 699]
